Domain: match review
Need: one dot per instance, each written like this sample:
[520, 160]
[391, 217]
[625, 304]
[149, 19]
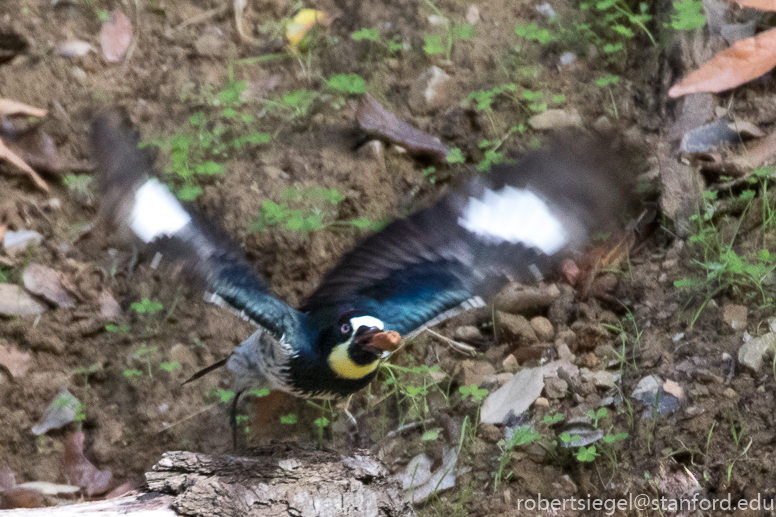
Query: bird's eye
[345, 328]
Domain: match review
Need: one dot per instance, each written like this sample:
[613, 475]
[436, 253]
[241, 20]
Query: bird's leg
[233, 418]
[347, 411]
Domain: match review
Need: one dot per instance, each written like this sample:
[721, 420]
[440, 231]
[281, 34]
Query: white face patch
[365, 321]
[517, 216]
[156, 212]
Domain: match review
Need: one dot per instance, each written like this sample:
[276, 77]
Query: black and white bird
[516, 223]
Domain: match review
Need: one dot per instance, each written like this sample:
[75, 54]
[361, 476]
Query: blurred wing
[135, 203]
[516, 224]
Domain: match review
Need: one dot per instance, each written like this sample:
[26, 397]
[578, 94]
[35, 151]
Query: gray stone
[751, 353]
[555, 388]
[430, 90]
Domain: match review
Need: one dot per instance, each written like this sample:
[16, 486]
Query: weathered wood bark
[278, 480]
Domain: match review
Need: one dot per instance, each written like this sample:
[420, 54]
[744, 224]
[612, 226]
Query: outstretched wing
[515, 224]
[136, 203]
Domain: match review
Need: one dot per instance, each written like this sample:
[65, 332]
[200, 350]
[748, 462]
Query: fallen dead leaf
[115, 36]
[745, 60]
[14, 301]
[13, 159]
[674, 389]
[763, 5]
[9, 107]
[14, 360]
[80, 471]
[46, 282]
[375, 120]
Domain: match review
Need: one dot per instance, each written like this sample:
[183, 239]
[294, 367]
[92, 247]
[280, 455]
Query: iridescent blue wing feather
[514, 224]
[138, 206]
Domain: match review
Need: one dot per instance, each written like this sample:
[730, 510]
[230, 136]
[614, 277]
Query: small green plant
[86, 370]
[146, 306]
[321, 423]
[289, 419]
[305, 210]
[586, 454]
[532, 32]
[145, 354]
[347, 83]
[688, 15]
[595, 416]
[170, 366]
[522, 435]
[392, 46]
[122, 328]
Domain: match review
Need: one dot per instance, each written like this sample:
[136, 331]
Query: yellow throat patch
[343, 365]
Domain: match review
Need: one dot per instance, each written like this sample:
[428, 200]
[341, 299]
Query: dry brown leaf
[47, 282]
[9, 107]
[12, 158]
[375, 120]
[15, 361]
[79, 471]
[746, 60]
[763, 5]
[115, 36]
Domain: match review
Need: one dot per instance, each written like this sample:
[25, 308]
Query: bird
[517, 222]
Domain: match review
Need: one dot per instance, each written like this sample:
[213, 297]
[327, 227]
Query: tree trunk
[277, 480]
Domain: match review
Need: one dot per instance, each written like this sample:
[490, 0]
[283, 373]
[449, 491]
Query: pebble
[477, 372]
[543, 328]
[14, 301]
[432, 89]
[490, 432]
[564, 353]
[735, 316]
[751, 353]
[541, 402]
[516, 327]
[467, 333]
[516, 298]
[555, 119]
[555, 388]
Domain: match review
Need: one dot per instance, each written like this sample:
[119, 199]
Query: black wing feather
[428, 265]
[206, 254]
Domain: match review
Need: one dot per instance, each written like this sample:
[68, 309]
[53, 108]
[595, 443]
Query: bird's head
[360, 341]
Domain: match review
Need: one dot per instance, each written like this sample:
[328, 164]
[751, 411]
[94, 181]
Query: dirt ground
[128, 375]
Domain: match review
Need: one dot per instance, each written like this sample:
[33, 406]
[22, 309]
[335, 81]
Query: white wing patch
[515, 215]
[474, 302]
[156, 212]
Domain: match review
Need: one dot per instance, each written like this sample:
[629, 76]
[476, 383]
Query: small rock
[588, 360]
[516, 327]
[674, 389]
[477, 372]
[509, 361]
[534, 352]
[467, 333]
[735, 316]
[555, 388]
[431, 90]
[472, 15]
[16, 242]
[604, 379]
[567, 58]
[604, 351]
[490, 432]
[543, 328]
[730, 393]
[212, 43]
[647, 389]
[564, 353]
[14, 301]
[516, 298]
[590, 336]
[751, 353]
[555, 119]
[109, 307]
[603, 124]
[541, 402]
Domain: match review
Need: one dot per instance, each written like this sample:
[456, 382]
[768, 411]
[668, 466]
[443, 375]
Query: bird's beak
[378, 341]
